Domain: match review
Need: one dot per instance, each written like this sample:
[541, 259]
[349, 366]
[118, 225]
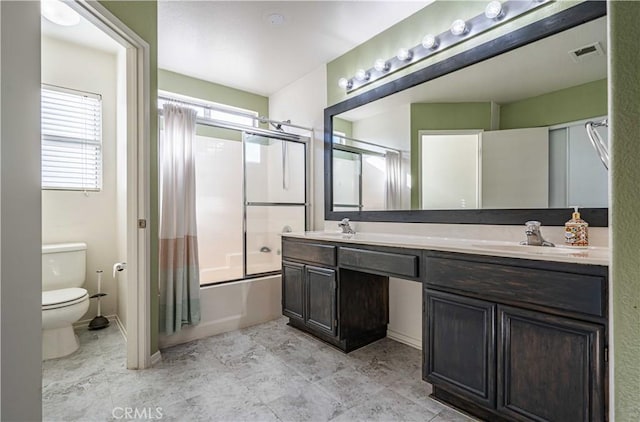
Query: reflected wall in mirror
[506, 133]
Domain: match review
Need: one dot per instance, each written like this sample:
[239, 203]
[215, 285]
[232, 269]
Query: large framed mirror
[492, 135]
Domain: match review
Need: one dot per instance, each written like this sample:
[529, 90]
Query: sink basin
[538, 250]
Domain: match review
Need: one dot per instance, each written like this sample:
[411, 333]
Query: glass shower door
[275, 197]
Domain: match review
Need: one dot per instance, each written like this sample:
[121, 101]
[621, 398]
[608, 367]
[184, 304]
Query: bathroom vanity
[509, 332]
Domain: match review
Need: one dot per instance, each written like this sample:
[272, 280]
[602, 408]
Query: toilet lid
[63, 297]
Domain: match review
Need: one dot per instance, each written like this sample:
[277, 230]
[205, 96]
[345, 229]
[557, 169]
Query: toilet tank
[63, 265]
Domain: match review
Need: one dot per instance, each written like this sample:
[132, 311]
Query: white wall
[304, 101]
[75, 216]
[20, 309]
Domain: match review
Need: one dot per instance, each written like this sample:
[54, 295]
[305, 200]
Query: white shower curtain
[394, 180]
[179, 269]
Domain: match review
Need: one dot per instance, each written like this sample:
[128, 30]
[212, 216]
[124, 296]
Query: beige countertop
[590, 256]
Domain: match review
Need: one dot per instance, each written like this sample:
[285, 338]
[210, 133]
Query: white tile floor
[269, 372]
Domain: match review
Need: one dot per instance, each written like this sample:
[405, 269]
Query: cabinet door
[549, 368]
[459, 349]
[293, 290]
[321, 295]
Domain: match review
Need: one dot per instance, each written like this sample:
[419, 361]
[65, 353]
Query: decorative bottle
[576, 231]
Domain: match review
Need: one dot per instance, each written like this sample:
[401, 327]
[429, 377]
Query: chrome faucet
[534, 236]
[346, 228]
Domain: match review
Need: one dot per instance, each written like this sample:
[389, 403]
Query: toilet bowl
[63, 300]
[60, 309]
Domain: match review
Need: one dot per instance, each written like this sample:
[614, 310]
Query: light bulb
[404, 55]
[493, 10]
[362, 75]
[381, 65]
[59, 13]
[344, 83]
[430, 42]
[458, 27]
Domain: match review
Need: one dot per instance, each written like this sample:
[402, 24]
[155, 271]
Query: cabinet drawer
[556, 289]
[394, 264]
[309, 252]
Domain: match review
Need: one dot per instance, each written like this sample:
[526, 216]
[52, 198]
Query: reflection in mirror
[505, 133]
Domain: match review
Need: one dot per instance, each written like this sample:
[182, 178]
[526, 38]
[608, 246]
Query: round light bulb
[404, 55]
[429, 42]
[362, 75]
[343, 83]
[458, 27]
[381, 65]
[493, 10]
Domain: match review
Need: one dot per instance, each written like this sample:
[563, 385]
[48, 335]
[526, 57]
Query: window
[211, 110]
[71, 139]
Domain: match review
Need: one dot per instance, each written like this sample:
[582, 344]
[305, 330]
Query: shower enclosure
[252, 184]
[248, 191]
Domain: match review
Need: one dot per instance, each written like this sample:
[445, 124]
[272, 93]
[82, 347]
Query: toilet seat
[55, 299]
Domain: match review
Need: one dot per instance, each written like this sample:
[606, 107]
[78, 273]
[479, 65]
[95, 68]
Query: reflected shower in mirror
[505, 133]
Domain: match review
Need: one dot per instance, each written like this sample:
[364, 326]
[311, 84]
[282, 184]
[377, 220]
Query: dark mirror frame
[567, 19]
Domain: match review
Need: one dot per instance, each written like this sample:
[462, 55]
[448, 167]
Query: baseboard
[121, 327]
[156, 358]
[402, 338]
[212, 328]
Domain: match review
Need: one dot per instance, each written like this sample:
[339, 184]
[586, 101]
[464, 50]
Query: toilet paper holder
[119, 266]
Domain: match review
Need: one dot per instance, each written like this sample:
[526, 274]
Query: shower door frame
[286, 137]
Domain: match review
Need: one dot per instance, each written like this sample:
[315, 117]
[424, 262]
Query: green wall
[567, 105]
[343, 126]
[625, 205]
[442, 116]
[435, 18]
[198, 88]
[142, 18]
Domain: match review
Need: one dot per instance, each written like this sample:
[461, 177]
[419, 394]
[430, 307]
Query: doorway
[120, 195]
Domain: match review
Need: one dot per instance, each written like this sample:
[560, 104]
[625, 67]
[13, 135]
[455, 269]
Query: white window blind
[71, 139]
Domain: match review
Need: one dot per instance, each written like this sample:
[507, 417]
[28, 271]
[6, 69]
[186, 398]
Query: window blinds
[71, 139]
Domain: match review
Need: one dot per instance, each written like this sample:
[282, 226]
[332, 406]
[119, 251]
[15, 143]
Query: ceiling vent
[588, 51]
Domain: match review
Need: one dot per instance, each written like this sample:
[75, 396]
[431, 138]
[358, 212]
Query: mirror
[499, 141]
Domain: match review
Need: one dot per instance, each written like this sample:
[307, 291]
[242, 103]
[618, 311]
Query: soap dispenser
[576, 231]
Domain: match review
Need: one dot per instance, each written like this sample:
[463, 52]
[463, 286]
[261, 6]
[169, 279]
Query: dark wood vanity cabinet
[310, 287]
[461, 339]
[549, 367]
[496, 345]
[345, 308]
[302, 282]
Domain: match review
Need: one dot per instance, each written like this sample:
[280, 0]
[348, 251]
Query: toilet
[63, 300]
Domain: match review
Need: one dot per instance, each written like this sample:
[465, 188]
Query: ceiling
[535, 69]
[237, 43]
[85, 33]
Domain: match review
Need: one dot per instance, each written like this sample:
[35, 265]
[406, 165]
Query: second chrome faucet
[534, 235]
[346, 228]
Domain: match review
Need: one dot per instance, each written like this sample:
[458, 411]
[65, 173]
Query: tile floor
[269, 372]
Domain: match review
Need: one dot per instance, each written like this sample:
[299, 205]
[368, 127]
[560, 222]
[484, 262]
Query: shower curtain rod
[249, 129]
[261, 119]
[369, 143]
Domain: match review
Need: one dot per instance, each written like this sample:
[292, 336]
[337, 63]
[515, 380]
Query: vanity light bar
[495, 14]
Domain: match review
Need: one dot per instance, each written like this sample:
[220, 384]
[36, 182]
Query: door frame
[138, 241]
